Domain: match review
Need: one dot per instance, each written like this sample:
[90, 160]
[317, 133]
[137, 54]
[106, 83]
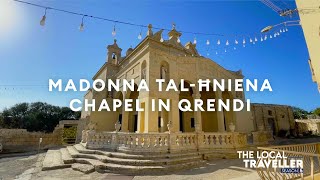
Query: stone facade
[156, 59]
[272, 117]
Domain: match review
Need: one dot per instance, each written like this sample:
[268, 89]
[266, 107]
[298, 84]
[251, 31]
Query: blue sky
[31, 54]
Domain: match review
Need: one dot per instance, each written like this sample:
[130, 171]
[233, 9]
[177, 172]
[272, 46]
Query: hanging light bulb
[236, 42]
[244, 45]
[194, 41]
[283, 30]
[114, 31]
[234, 48]
[43, 19]
[280, 31]
[218, 42]
[225, 50]
[265, 37]
[244, 41]
[251, 40]
[208, 54]
[140, 36]
[81, 27]
[216, 52]
[261, 39]
[270, 36]
[208, 42]
[275, 35]
[255, 39]
[287, 29]
[227, 43]
[178, 40]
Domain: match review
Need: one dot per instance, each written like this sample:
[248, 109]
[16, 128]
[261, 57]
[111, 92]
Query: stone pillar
[220, 114]
[151, 117]
[197, 115]
[174, 115]
[125, 117]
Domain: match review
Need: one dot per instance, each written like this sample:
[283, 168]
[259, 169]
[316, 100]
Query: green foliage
[299, 113]
[317, 112]
[36, 116]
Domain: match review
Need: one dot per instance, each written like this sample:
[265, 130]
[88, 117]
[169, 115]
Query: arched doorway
[186, 119]
[119, 115]
[133, 115]
[228, 115]
[209, 118]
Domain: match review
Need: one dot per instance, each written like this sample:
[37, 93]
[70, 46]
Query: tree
[38, 116]
[317, 111]
[299, 113]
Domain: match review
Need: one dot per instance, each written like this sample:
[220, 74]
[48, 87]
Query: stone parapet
[163, 142]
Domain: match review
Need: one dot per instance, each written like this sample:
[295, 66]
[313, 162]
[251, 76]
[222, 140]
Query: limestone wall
[275, 117]
[20, 140]
[306, 125]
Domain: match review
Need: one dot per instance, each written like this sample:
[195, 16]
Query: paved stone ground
[12, 167]
[26, 166]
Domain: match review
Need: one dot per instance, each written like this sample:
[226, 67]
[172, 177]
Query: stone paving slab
[85, 168]
[53, 160]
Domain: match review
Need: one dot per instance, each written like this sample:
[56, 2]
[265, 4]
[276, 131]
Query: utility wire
[111, 20]
[271, 5]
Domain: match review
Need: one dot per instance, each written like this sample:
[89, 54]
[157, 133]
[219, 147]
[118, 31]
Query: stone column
[220, 114]
[125, 117]
[197, 115]
[151, 117]
[174, 115]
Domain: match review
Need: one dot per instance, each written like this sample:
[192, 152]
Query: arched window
[114, 58]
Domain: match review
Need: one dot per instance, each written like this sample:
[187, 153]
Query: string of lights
[115, 22]
[221, 45]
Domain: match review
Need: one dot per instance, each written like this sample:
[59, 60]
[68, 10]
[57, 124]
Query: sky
[31, 54]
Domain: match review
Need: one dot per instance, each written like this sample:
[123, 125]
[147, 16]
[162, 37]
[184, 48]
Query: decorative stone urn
[232, 127]
[117, 126]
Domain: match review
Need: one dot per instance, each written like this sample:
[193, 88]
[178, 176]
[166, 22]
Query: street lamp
[286, 23]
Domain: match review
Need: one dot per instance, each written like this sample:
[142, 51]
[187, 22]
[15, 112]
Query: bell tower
[114, 53]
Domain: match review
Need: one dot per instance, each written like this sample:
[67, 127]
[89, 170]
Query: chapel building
[154, 58]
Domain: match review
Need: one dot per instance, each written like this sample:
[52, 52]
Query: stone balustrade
[163, 142]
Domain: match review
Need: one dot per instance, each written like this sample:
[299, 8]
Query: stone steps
[86, 161]
[145, 161]
[219, 154]
[138, 170]
[66, 157]
[151, 156]
[152, 162]
[53, 160]
[80, 148]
